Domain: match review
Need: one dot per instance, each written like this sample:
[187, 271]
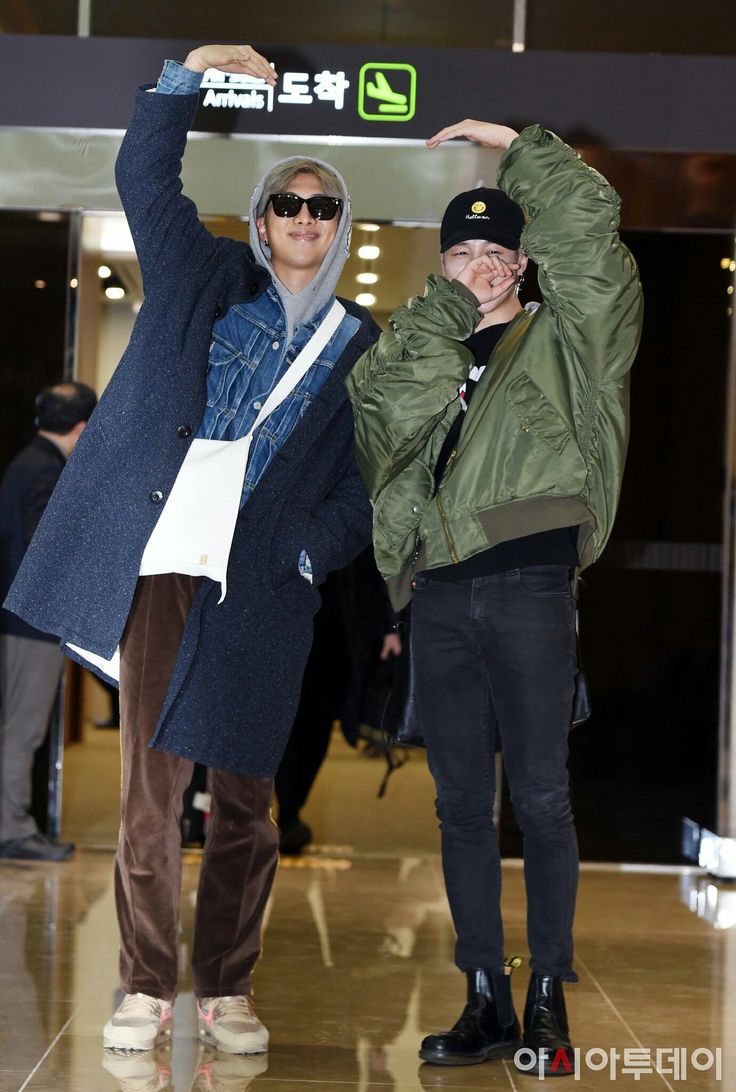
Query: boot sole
[507, 1050]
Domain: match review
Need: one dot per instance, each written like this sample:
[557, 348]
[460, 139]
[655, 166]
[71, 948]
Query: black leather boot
[546, 1027]
[488, 1027]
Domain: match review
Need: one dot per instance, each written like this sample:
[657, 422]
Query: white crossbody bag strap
[301, 363]
[195, 532]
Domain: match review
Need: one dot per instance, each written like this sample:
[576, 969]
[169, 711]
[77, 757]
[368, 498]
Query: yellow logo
[478, 206]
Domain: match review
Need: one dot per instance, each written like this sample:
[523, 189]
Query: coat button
[156, 497]
[254, 289]
[184, 432]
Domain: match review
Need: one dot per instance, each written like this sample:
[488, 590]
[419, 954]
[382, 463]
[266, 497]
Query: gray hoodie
[301, 306]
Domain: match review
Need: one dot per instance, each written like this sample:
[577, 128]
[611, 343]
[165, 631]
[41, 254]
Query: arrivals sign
[635, 101]
[351, 96]
[386, 91]
[321, 90]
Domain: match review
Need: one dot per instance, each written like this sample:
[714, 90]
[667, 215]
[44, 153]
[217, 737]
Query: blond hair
[278, 179]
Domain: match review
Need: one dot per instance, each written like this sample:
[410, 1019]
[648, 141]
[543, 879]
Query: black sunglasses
[320, 207]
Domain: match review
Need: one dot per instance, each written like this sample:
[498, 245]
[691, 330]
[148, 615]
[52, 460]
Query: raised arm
[164, 223]
[587, 276]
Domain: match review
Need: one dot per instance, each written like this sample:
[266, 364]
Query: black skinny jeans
[497, 654]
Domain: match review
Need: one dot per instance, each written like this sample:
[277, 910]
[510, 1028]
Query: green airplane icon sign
[387, 92]
[393, 102]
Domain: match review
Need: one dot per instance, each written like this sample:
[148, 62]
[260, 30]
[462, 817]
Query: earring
[519, 282]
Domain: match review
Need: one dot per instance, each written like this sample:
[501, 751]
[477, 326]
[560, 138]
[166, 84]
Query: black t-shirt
[556, 547]
[481, 344]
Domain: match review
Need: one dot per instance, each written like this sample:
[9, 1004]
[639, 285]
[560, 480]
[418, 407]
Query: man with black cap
[30, 661]
[492, 439]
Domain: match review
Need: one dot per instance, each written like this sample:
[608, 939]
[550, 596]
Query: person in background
[214, 489]
[492, 440]
[353, 633]
[30, 660]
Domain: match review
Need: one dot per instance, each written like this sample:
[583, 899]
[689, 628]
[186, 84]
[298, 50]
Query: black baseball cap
[482, 214]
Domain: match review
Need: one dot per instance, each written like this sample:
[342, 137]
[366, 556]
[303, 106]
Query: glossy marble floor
[357, 967]
[357, 962]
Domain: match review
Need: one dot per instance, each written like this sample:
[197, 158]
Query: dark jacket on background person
[544, 442]
[28, 482]
[236, 682]
[344, 669]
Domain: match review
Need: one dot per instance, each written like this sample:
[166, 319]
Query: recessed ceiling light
[104, 271]
[365, 299]
[369, 252]
[369, 227]
[367, 278]
[115, 292]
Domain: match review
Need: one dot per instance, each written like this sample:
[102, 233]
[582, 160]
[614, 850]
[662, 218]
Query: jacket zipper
[415, 558]
[443, 518]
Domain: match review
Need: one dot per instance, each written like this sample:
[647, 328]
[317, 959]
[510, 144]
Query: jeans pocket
[545, 580]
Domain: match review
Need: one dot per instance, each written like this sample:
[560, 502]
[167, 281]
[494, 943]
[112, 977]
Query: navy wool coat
[236, 682]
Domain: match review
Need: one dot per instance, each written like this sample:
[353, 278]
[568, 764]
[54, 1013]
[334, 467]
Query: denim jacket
[248, 354]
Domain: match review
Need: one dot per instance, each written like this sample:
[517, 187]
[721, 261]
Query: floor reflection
[145, 1071]
[714, 902]
[357, 968]
[150, 1070]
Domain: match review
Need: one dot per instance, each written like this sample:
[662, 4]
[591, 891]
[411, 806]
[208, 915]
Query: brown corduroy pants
[241, 848]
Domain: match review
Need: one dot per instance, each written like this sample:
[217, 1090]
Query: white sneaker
[231, 1025]
[138, 1023]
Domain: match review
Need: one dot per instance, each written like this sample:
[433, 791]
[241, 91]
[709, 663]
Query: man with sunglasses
[492, 439]
[213, 490]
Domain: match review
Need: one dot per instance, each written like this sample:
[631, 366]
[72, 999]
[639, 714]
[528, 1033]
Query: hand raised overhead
[486, 133]
[231, 58]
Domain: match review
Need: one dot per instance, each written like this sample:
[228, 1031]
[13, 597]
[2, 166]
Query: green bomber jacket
[544, 441]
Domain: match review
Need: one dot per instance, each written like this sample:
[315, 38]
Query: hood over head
[300, 307]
